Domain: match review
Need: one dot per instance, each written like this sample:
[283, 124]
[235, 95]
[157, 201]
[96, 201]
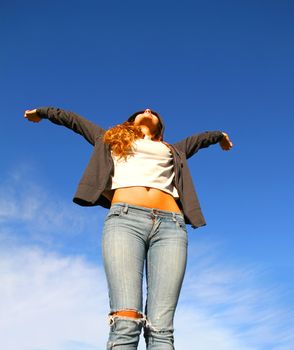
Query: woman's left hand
[225, 143]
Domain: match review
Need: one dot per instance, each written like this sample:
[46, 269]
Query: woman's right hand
[32, 115]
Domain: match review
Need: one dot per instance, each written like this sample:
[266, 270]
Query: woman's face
[147, 119]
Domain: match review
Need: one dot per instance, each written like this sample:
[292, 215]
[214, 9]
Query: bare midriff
[148, 197]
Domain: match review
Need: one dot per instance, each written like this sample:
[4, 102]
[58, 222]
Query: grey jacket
[96, 180]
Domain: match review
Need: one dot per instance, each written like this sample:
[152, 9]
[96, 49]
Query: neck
[145, 130]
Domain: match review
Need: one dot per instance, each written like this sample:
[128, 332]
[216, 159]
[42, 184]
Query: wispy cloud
[51, 302]
[31, 213]
[237, 300]
[54, 300]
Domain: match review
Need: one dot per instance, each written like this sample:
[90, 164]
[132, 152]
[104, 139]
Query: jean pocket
[113, 212]
[181, 224]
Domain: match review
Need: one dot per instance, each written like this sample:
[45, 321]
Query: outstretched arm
[78, 124]
[192, 144]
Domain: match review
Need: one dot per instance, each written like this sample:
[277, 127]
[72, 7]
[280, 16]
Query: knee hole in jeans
[126, 315]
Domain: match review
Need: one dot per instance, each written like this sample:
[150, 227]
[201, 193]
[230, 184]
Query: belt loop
[126, 207]
[174, 217]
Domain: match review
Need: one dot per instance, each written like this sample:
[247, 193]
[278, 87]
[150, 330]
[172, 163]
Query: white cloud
[199, 330]
[23, 200]
[48, 301]
[235, 301]
[32, 213]
[52, 301]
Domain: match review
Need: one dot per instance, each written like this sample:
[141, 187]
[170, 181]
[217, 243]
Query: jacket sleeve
[192, 144]
[78, 124]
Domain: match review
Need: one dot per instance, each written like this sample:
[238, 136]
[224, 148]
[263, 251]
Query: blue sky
[203, 65]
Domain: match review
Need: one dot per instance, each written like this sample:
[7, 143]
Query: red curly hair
[121, 138]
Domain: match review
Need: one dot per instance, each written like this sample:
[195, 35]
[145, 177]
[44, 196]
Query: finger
[30, 111]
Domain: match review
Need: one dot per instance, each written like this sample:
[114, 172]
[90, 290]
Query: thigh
[166, 264]
[124, 253]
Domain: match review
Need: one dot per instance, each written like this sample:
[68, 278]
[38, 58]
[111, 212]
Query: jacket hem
[87, 196]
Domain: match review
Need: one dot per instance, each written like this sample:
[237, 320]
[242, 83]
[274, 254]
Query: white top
[150, 165]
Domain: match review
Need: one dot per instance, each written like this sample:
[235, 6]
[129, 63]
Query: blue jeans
[134, 236]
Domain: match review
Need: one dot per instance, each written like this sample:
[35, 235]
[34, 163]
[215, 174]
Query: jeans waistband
[144, 210]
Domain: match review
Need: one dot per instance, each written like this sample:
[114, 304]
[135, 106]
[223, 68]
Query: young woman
[146, 184]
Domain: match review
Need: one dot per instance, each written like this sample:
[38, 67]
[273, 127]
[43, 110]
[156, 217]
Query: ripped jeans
[134, 236]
